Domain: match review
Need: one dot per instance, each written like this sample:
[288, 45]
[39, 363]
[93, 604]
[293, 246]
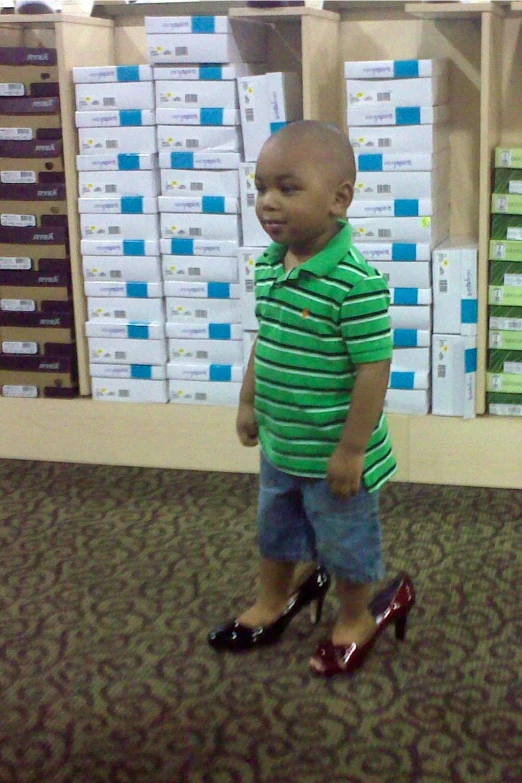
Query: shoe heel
[316, 609]
[400, 627]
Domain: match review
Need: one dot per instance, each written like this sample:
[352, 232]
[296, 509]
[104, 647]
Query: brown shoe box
[35, 194]
[26, 55]
[29, 80]
[25, 119]
[33, 259]
[14, 213]
[37, 376]
[18, 166]
[33, 149]
[39, 334]
[29, 107]
[35, 292]
[52, 240]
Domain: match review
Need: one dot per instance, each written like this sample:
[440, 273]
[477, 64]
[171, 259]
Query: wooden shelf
[451, 10]
[51, 20]
[281, 14]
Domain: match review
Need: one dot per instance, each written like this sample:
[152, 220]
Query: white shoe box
[243, 43]
[127, 351]
[128, 290]
[213, 72]
[125, 390]
[114, 95]
[126, 330]
[203, 330]
[394, 69]
[119, 226]
[118, 205]
[149, 372]
[455, 287]
[210, 160]
[125, 309]
[194, 138]
[116, 118]
[382, 161]
[120, 247]
[410, 297]
[117, 140]
[409, 402]
[181, 182]
[196, 94]
[381, 114]
[387, 208]
[213, 373]
[188, 25]
[118, 183]
[430, 230]
[411, 359]
[208, 205]
[200, 290]
[416, 317]
[403, 139]
[141, 268]
[253, 233]
[198, 269]
[215, 311]
[409, 379]
[186, 225]
[425, 91]
[123, 163]
[206, 351]
[411, 338]
[378, 185]
[195, 116]
[393, 251]
[247, 257]
[180, 246]
[416, 274]
[454, 375]
[204, 393]
[112, 73]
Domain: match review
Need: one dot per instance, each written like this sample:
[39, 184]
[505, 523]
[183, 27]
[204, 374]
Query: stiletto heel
[316, 609]
[400, 628]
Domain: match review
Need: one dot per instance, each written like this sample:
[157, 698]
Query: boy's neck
[297, 254]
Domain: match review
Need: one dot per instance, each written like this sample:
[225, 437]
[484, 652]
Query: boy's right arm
[246, 425]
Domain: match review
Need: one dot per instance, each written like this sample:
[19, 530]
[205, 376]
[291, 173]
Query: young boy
[313, 397]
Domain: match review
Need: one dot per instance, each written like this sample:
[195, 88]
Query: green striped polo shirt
[317, 322]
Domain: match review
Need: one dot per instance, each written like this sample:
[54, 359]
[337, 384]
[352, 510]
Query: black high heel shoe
[236, 637]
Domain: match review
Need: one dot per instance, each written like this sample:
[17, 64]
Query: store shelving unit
[483, 42]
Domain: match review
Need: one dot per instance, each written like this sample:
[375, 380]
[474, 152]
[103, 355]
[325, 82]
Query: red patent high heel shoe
[391, 605]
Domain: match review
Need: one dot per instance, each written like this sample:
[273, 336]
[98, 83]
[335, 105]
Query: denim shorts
[300, 519]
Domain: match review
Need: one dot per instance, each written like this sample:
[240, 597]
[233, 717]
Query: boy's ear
[342, 198]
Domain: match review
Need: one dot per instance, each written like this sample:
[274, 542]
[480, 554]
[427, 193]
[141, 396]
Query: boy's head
[305, 175]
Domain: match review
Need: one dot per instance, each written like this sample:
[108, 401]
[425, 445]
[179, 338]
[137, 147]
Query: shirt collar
[323, 262]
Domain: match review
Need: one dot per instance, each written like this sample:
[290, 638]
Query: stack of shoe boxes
[397, 122]
[267, 102]
[119, 185]
[37, 348]
[505, 290]
[199, 141]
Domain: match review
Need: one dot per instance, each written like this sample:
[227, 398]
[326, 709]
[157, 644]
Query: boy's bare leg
[275, 577]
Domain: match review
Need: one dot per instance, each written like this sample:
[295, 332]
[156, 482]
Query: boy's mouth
[272, 225]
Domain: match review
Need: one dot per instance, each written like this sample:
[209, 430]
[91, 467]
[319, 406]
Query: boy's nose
[268, 200]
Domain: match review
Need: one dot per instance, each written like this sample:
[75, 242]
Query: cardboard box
[117, 140]
[247, 257]
[34, 197]
[119, 227]
[39, 261]
[415, 403]
[27, 108]
[408, 297]
[195, 116]
[103, 351]
[415, 317]
[254, 234]
[27, 55]
[505, 340]
[141, 269]
[118, 183]
[393, 251]
[405, 275]
[178, 330]
[129, 390]
[31, 214]
[132, 290]
[244, 43]
[204, 393]
[399, 161]
[382, 114]
[179, 182]
[506, 383]
[199, 247]
[508, 181]
[189, 25]
[429, 230]
[53, 239]
[205, 351]
[115, 118]
[409, 379]
[501, 250]
[37, 376]
[504, 409]
[388, 208]
[505, 273]
[114, 95]
[210, 270]
[126, 330]
[213, 373]
[142, 372]
[411, 338]
[37, 334]
[506, 204]
[209, 205]
[196, 94]
[454, 375]
[508, 157]
[507, 319]
[507, 227]
[112, 73]
[199, 138]
[216, 311]
[502, 361]
[394, 69]
[31, 172]
[38, 152]
[120, 247]
[126, 309]
[398, 139]
[373, 186]
[416, 359]
[200, 290]
[211, 160]
[249, 340]
[455, 287]
[504, 295]
[29, 81]
[428, 91]
[130, 161]
[18, 128]
[209, 227]
[118, 205]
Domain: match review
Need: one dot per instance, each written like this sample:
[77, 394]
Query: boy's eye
[288, 188]
[260, 188]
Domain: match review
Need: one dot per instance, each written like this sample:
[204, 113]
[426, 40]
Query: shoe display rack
[483, 42]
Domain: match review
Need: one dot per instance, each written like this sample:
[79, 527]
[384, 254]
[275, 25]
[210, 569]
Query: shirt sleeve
[365, 321]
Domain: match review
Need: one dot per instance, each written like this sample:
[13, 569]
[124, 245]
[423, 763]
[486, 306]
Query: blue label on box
[213, 204]
[137, 290]
[469, 311]
[406, 69]
[408, 115]
[211, 116]
[220, 372]
[275, 126]
[182, 247]
[128, 73]
[133, 247]
[210, 73]
[470, 360]
[131, 205]
[406, 207]
[404, 338]
[182, 160]
[128, 161]
[138, 332]
[218, 290]
[203, 24]
[142, 372]
[219, 332]
[130, 118]
[369, 162]
[404, 251]
[405, 296]
[402, 380]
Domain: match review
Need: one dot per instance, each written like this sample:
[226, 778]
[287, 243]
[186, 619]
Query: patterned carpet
[110, 578]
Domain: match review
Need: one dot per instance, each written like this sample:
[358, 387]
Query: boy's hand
[344, 472]
[246, 425]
